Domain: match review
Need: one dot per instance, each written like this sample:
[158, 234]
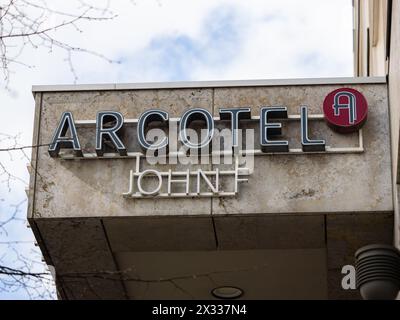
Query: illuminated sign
[345, 110]
[190, 182]
[109, 123]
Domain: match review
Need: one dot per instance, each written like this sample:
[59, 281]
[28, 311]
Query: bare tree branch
[16, 272]
[34, 23]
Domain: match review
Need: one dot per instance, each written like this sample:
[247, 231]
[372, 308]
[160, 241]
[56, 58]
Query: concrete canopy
[287, 233]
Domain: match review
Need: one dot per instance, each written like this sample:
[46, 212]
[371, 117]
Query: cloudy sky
[168, 40]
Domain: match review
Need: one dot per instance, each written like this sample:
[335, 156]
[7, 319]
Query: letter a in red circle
[345, 110]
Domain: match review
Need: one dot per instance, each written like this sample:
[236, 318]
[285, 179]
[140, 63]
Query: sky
[165, 40]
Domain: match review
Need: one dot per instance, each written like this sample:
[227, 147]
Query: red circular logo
[345, 110]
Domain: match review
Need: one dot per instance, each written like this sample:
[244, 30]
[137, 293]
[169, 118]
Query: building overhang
[317, 207]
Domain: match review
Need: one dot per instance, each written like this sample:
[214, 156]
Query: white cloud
[275, 39]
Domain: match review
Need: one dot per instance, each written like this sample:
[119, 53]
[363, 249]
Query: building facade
[377, 53]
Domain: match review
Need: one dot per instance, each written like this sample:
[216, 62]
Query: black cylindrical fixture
[378, 272]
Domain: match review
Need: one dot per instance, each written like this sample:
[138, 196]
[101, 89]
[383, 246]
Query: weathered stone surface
[320, 182]
[95, 187]
[279, 184]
